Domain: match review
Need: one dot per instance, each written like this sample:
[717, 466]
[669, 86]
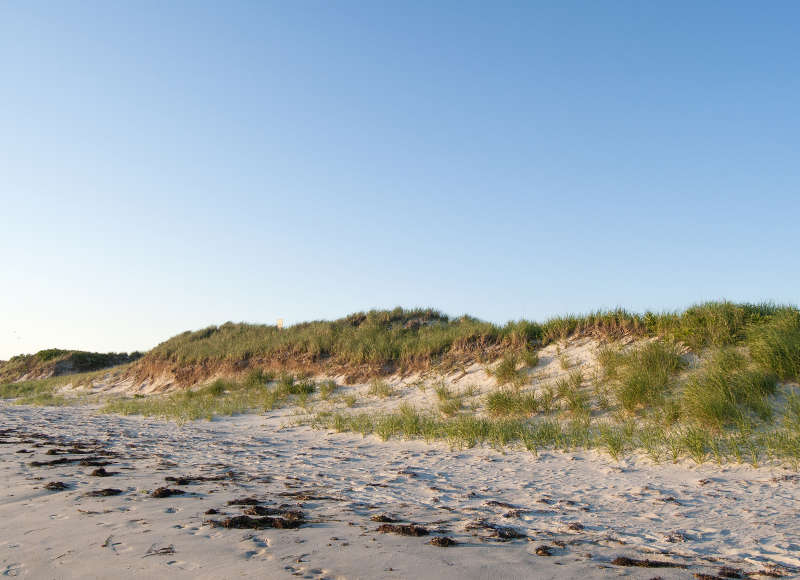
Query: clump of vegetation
[530, 358]
[380, 388]
[641, 377]
[449, 403]
[775, 346]
[349, 400]
[54, 362]
[391, 338]
[507, 372]
[46, 391]
[507, 402]
[218, 398]
[327, 388]
[288, 384]
[728, 391]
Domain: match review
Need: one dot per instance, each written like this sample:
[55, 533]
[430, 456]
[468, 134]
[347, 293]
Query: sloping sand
[499, 507]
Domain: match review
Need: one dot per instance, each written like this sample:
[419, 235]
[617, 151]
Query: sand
[506, 510]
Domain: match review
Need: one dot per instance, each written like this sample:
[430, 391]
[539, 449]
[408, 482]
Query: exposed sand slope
[700, 517]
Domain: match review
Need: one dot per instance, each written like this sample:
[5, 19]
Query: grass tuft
[642, 377]
[775, 346]
[727, 391]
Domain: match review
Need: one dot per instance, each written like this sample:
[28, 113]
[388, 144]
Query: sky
[169, 165]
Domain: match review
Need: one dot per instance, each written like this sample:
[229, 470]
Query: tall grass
[379, 342]
[727, 391]
[507, 402]
[693, 442]
[776, 345]
[406, 337]
[507, 373]
[40, 391]
[641, 377]
[56, 361]
[219, 398]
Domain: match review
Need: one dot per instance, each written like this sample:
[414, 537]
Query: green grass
[219, 398]
[506, 402]
[721, 411]
[327, 389]
[641, 377]
[507, 373]
[380, 388]
[727, 391]
[617, 440]
[775, 346]
[450, 401]
[43, 391]
[380, 342]
[60, 362]
[408, 338]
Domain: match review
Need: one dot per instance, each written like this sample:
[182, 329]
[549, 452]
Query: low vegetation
[710, 383]
[775, 345]
[58, 362]
[257, 392]
[728, 391]
[642, 376]
[618, 440]
[47, 391]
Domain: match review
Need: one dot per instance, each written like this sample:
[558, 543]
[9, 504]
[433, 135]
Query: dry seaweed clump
[166, 492]
[289, 521]
[56, 486]
[625, 561]
[108, 491]
[443, 542]
[404, 529]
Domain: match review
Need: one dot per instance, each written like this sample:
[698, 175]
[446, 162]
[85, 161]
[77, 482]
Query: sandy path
[587, 509]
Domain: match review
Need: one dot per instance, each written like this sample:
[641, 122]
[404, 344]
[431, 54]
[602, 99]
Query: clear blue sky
[168, 165]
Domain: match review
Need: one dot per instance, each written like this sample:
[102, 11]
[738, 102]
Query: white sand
[701, 517]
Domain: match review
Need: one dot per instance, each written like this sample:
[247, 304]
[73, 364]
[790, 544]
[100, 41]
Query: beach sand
[512, 514]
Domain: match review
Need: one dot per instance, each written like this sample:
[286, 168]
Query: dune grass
[775, 345]
[720, 410]
[506, 402]
[509, 372]
[378, 343]
[380, 388]
[449, 401]
[56, 361]
[257, 392]
[727, 391]
[405, 337]
[45, 391]
[642, 376]
[617, 440]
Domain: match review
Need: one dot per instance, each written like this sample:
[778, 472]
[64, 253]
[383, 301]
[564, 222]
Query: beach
[343, 499]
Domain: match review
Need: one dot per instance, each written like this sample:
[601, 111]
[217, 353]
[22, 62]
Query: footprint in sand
[12, 569]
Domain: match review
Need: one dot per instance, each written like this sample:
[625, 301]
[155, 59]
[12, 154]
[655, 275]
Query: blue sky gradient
[165, 166]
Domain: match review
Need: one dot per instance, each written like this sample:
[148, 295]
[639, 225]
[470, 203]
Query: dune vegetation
[717, 381]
